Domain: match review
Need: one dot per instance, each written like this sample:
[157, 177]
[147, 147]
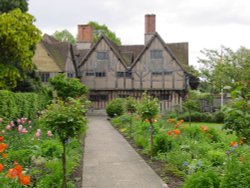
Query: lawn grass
[214, 125]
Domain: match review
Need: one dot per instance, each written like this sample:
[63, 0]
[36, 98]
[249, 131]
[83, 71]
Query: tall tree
[64, 36]
[225, 67]
[8, 5]
[103, 29]
[18, 38]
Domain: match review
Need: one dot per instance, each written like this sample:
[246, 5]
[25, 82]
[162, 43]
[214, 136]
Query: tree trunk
[189, 118]
[130, 122]
[151, 137]
[64, 185]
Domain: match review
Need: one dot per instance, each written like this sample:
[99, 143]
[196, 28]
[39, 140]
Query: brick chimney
[84, 37]
[149, 26]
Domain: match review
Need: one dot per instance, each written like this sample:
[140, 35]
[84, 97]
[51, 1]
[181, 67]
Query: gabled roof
[156, 35]
[43, 61]
[129, 55]
[58, 50]
[112, 46]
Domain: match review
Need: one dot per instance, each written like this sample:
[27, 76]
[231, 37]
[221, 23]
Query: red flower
[204, 128]
[25, 180]
[177, 131]
[3, 146]
[18, 169]
[4, 155]
[1, 167]
[12, 173]
[1, 138]
[233, 144]
[170, 133]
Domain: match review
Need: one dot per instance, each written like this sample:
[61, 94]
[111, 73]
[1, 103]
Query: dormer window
[102, 56]
[156, 54]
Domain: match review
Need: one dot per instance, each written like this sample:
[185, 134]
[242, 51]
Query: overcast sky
[202, 23]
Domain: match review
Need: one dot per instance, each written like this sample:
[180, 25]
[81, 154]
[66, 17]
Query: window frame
[102, 56]
[156, 54]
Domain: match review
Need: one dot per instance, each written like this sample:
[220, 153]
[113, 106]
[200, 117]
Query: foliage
[148, 109]
[67, 87]
[237, 116]
[237, 173]
[130, 104]
[208, 179]
[18, 38]
[115, 107]
[64, 36]
[67, 120]
[8, 5]
[14, 105]
[103, 29]
[224, 67]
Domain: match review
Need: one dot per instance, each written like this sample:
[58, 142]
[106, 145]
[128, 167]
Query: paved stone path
[110, 162]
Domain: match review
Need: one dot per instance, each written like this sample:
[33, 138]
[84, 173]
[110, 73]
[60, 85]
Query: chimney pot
[84, 37]
[149, 23]
[85, 33]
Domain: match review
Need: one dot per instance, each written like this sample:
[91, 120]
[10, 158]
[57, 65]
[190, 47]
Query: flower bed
[201, 155]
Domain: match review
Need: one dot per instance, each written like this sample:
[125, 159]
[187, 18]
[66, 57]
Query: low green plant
[115, 107]
[67, 87]
[67, 120]
[207, 179]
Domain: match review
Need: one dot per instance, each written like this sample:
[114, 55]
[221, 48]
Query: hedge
[17, 105]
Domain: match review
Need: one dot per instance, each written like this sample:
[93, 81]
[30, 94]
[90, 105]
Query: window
[156, 73]
[70, 75]
[124, 74]
[164, 97]
[102, 56]
[168, 72]
[98, 97]
[90, 74]
[100, 74]
[123, 96]
[156, 54]
[45, 77]
[162, 73]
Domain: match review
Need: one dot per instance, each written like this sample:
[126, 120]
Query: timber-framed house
[112, 71]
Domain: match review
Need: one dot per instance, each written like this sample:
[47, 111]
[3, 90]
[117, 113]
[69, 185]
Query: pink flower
[3, 131]
[19, 121]
[20, 128]
[38, 134]
[24, 130]
[49, 133]
[1, 120]
[8, 127]
[30, 127]
[12, 124]
[29, 122]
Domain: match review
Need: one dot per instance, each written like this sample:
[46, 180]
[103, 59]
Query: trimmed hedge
[17, 105]
[115, 107]
[216, 117]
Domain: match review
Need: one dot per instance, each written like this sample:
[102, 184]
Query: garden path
[110, 162]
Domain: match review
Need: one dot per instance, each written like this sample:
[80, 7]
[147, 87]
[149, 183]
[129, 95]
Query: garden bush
[115, 107]
[208, 179]
[15, 105]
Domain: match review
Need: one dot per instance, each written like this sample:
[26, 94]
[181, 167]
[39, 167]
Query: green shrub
[67, 87]
[216, 157]
[16, 105]
[115, 107]
[208, 179]
[141, 141]
[237, 174]
[162, 143]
